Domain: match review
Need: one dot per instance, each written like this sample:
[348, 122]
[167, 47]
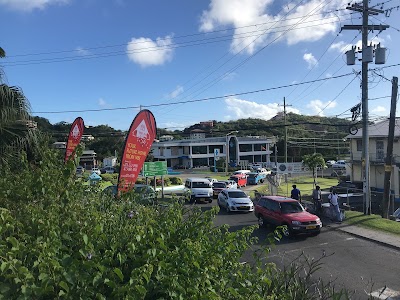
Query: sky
[193, 61]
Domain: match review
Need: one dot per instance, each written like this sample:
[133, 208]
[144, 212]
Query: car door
[222, 197]
[274, 211]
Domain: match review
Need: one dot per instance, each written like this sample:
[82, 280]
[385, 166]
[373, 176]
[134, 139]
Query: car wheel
[261, 221]
[210, 200]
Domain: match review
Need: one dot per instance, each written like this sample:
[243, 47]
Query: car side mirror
[306, 208]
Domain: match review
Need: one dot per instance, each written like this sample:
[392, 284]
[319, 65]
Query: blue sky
[220, 60]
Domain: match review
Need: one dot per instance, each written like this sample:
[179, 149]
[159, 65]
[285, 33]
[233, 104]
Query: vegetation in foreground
[61, 239]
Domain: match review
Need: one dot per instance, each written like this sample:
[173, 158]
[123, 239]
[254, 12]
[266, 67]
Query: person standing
[295, 193]
[317, 198]
[333, 199]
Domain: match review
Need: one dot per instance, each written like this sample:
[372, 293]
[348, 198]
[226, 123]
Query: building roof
[211, 140]
[380, 129]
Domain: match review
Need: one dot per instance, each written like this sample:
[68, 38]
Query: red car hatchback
[278, 210]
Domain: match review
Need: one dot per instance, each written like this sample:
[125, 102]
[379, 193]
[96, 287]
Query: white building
[109, 161]
[198, 152]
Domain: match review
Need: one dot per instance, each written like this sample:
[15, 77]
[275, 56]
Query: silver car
[235, 200]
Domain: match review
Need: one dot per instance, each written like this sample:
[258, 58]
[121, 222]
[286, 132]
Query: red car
[217, 187]
[278, 210]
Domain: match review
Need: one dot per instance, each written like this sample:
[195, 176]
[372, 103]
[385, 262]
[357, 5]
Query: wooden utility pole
[364, 28]
[284, 118]
[389, 152]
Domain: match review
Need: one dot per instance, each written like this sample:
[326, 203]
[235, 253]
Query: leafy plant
[62, 239]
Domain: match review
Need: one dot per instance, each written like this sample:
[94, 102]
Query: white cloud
[82, 51]
[146, 52]
[378, 109]
[310, 59]
[318, 107]
[102, 102]
[254, 27]
[342, 47]
[229, 76]
[29, 5]
[242, 109]
[175, 93]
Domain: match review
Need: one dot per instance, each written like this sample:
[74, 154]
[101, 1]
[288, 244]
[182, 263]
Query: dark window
[237, 194]
[291, 207]
[359, 145]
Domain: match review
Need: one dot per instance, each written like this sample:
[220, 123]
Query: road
[356, 264]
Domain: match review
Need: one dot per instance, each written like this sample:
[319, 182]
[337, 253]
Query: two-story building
[200, 151]
[378, 142]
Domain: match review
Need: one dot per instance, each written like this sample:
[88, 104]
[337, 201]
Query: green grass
[374, 222]
[305, 185]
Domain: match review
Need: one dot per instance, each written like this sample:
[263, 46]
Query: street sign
[216, 152]
[156, 168]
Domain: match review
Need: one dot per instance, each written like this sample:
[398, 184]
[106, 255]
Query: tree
[312, 161]
[16, 132]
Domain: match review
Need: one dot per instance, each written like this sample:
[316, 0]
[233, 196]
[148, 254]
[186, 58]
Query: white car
[235, 200]
[230, 184]
[96, 170]
[339, 165]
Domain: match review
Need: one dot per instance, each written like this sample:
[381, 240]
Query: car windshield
[200, 185]
[237, 194]
[291, 207]
[219, 185]
[252, 175]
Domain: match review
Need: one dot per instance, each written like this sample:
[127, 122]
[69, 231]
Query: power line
[194, 100]
[177, 37]
[147, 49]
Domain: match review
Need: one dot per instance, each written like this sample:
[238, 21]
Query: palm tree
[312, 161]
[16, 132]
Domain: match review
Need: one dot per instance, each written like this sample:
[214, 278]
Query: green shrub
[113, 178]
[60, 239]
[176, 180]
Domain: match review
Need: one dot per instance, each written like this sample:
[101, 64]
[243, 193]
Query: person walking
[333, 200]
[317, 198]
[295, 193]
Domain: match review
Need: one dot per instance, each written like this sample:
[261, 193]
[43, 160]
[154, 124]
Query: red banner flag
[74, 138]
[137, 145]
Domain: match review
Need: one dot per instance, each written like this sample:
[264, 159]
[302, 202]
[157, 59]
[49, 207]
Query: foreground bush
[60, 239]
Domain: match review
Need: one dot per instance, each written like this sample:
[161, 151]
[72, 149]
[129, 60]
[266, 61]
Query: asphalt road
[353, 263]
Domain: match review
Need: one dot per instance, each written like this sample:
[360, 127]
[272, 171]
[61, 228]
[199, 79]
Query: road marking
[350, 238]
[385, 293]
[323, 244]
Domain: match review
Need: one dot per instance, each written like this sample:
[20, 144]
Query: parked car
[241, 180]
[108, 170]
[235, 200]
[345, 187]
[230, 184]
[339, 165]
[96, 170]
[218, 186]
[255, 178]
[278, 211]
[212, 180]
[147, 193]
[330, 163]
[200, 189]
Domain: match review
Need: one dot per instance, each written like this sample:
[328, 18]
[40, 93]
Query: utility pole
[284, 118]
[366, 58]
[389, 152]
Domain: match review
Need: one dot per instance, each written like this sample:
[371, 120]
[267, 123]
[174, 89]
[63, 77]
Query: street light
[227, 150]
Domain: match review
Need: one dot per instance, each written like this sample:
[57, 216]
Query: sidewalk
[386, 239]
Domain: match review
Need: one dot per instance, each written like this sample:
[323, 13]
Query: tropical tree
[312, 161]
[16, 132]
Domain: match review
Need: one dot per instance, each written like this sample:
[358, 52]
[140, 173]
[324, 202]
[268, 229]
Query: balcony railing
[374, 157]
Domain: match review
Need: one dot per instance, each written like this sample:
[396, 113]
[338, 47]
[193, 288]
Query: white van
[200, 189]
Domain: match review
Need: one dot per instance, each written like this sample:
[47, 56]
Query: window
[359, 145]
